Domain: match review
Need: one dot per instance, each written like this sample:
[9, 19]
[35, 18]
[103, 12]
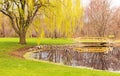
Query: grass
[12, 66]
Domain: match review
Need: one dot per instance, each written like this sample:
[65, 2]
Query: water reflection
[72, 57]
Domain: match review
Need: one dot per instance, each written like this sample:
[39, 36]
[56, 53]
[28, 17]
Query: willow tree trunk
[22, 38]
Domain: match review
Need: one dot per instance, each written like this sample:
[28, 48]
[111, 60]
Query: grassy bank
[12, 66]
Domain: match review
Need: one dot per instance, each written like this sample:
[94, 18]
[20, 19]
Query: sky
[114, 3]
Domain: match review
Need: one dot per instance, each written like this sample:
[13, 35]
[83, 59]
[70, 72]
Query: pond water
[67, 55]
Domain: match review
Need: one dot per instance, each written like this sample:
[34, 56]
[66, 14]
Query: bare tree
[99, 16]
[116, 22]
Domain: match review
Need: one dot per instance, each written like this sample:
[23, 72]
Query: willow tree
[73, 12]
[64, 17]
[21, 14]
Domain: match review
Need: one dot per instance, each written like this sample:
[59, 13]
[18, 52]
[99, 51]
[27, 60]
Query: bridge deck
[92, 39]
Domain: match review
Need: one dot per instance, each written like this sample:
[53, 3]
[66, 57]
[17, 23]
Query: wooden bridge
[94, 44]
[94, 41]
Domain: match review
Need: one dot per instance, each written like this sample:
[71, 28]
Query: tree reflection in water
[68, 56]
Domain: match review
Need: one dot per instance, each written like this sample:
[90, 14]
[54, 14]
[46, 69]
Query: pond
[67, 55]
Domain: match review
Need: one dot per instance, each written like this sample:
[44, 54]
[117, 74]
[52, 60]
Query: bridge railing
[92, 39]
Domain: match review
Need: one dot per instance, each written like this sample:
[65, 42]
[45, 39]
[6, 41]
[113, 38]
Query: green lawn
[12, 66]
